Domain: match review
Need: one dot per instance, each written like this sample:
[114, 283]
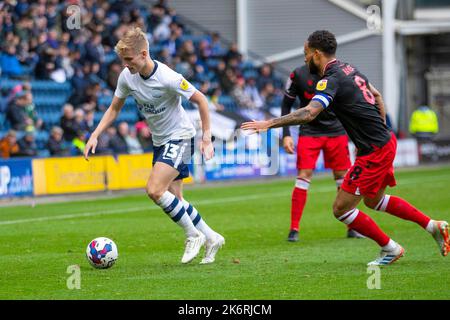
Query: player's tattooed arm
[300, 116]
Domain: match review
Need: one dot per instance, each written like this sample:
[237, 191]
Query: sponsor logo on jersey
[321, 85]
[149, 108]
[184, 85]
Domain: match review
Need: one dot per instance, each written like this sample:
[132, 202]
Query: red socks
[402, 209]
[362, 223]
[299, 196]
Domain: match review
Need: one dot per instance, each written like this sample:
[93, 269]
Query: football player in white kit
[157, 91]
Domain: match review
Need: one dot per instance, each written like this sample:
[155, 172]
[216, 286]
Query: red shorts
[373, 172]
[335, 152]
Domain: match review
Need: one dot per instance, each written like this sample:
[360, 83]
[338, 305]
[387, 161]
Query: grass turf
[38, 244]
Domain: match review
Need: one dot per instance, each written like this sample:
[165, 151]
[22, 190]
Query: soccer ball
[102, 253]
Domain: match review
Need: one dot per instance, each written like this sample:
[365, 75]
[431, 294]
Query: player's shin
[175, 210]
[362, 223]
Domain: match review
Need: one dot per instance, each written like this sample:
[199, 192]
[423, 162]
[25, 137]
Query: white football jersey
[158, 99]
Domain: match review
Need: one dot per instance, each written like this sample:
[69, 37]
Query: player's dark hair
[324, 41]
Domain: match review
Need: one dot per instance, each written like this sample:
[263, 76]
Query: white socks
[392, 245]
[175, 210]
[430, 227]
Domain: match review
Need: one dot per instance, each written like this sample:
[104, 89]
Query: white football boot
[192, 247]
[388, 257]
[212, 246]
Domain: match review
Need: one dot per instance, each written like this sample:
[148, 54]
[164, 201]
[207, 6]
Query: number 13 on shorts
[171, 151]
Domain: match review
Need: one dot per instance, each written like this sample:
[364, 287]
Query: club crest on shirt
[184, 85]
[321, 85]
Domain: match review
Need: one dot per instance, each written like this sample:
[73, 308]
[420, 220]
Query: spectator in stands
[424, 124]
[144, 135]
[66, 61]
[240, 95]
[89, 119]
[165, 57]
[204, 51]
[103, 146]
[113, 74]
[56, 144]
[80, 121]
[118, 143]
[27, 145]
[173, 43]
[16, 112]
[233, 54]
[265, 75]
[217, 50]
[133, 144]
[67, 123]
[31, 111]
[8, 145]
[187, 48]
[9, 64]
[213, 104]
[251, 90]
[94, 49]
[47, 64]
[78, 144]
[267, 95]
[226, 77]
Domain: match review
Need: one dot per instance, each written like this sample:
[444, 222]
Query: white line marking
[324, 189]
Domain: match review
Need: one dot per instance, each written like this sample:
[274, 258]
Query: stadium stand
[60, 65]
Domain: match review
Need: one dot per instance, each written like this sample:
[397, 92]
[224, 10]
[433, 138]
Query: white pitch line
[428, 179]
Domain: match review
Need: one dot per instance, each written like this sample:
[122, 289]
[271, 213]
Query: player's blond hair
[134, 39]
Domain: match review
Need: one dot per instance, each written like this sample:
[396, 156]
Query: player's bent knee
[154, 193]
[339, 209]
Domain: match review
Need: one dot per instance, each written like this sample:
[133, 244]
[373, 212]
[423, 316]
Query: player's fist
[207, 149]
[288, 144]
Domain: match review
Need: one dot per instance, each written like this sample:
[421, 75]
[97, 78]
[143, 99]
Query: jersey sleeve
[122, 89]
[326, 90]
[181, 86]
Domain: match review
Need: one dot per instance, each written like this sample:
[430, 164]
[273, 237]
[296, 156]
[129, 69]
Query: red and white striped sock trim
[302, 183]
[349, 216]
[382, 205]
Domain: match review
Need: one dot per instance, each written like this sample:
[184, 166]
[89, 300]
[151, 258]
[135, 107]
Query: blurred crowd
[40, 40]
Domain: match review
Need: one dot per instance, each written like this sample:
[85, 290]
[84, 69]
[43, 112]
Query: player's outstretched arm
[108, 118]
[379, 101]
[300, 116]
[206, 146]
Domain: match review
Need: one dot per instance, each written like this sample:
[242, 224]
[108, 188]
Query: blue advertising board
[16, 178]
[235, 165]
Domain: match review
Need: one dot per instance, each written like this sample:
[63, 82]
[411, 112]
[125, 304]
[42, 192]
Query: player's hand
[256, 126]
[288, 144]
[90, 145]
[207, 149]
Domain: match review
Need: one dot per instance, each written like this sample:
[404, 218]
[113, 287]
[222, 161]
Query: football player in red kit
[349, 94]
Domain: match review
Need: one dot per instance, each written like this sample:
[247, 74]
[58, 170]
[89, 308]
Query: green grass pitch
[38, 244]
